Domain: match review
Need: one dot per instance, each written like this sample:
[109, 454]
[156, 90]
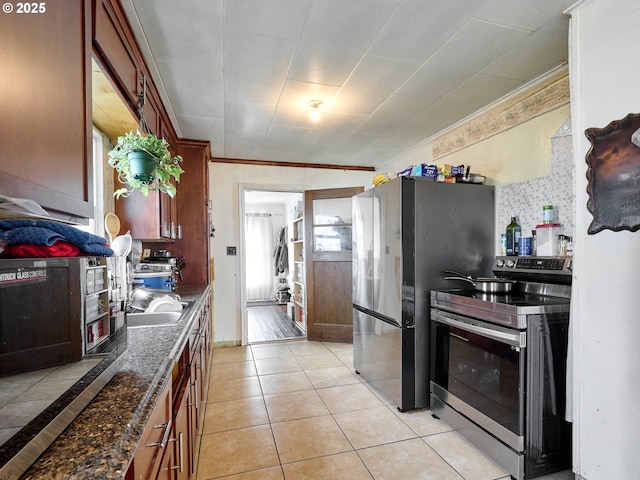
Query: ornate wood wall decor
[614, 176]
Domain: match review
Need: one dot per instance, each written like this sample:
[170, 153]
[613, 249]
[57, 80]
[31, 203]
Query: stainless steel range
[499, 365]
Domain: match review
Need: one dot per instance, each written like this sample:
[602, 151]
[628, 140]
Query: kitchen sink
[156, 319]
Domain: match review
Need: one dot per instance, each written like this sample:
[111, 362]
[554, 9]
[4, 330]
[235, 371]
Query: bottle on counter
[534, 243]
[513, 237]
[569, 246]
[562, 245]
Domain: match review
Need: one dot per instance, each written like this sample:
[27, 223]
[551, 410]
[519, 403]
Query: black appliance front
[406, 232]
[505, 388]
[40, 313]
[384, 353]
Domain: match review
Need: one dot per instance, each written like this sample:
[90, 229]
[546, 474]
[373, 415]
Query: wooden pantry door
[328, 217]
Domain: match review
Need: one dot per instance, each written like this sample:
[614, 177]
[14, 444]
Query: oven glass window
[483, 373]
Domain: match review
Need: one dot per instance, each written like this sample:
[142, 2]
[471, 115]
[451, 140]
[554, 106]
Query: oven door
[478, 369]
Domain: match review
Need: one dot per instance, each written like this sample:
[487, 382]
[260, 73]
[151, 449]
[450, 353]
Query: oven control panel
[533, 265]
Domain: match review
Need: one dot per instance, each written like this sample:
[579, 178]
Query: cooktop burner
[509, 310]
[516, 299]
[543, 286]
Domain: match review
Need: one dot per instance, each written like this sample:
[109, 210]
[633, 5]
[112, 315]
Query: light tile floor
[296, 410]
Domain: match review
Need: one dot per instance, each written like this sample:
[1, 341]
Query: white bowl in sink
[164, 304]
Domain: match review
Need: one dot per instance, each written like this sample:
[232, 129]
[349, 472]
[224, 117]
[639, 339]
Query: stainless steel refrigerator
[406, 233]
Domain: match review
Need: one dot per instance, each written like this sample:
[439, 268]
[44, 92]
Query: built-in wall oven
[499, 365]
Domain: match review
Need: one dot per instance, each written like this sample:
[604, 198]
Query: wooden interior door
[327, 256]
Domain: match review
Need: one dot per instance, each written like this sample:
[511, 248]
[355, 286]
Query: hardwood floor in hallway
[270, 322]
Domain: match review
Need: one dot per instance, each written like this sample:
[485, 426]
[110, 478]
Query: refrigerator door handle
[379, 316]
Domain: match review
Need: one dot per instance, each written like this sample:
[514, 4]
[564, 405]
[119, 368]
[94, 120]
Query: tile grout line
[385, 404]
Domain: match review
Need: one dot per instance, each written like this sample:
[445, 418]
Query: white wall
[605, 73]
[518, 154]
[225, 181]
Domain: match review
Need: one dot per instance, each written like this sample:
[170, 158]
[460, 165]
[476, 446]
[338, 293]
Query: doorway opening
[268, 257]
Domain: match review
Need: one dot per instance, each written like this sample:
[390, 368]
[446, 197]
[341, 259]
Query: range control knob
[510, 263]
[500, 263]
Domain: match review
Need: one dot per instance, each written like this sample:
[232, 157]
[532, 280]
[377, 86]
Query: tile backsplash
[526, 199]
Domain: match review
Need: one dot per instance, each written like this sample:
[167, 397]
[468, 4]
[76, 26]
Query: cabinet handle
[172, 227]
[165, 435]
[179, 231]
[181, 452]
[194, 394]
[195, 391]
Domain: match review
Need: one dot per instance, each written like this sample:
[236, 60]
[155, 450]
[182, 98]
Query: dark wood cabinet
[181, 441]
[56, 169]
[114, 50]
[151, 455]
[45, 126]
[150, 218]
[192, 214]
[172, 454]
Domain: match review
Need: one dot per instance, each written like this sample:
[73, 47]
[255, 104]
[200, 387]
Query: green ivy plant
[167, 166]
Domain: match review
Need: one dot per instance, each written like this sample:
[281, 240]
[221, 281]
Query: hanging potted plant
[144, 162]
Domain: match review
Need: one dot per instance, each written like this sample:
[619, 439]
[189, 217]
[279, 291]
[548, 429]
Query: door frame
[242, 189]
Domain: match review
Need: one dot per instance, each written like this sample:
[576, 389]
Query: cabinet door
[181, 441]
[192, 212]
[142, 216]
[114, 51]
[168, 216]
[45, 126]
[195, 407]
[150, 452]
[165, 470]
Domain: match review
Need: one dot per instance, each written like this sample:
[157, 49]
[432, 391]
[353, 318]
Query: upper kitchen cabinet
[193, 212]
[117, 52]
[113, 47]
[152, 218]
[45, 126]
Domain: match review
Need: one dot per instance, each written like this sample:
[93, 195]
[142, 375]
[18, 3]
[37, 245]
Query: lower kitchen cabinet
[150, 454]
[176, 465]
[182, 444]
[169, 445]
[165, 471]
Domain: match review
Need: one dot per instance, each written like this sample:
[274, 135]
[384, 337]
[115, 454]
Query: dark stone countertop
[101, 441]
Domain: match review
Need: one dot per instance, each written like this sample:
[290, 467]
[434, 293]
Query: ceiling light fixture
[315, 109]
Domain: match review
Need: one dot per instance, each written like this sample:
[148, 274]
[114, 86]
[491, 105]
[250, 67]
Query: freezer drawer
[383, 354]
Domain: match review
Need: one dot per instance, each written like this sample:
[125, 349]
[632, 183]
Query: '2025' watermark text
[24, 7]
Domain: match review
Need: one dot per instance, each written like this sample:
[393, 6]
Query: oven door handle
[515, 339]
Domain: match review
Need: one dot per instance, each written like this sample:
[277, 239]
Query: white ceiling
[391, 73]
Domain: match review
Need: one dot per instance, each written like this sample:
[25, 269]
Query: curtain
[259, 257]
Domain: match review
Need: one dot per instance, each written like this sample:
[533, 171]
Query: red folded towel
[58, 249]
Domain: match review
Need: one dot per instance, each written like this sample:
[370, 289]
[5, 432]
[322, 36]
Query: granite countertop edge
[101, 441]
